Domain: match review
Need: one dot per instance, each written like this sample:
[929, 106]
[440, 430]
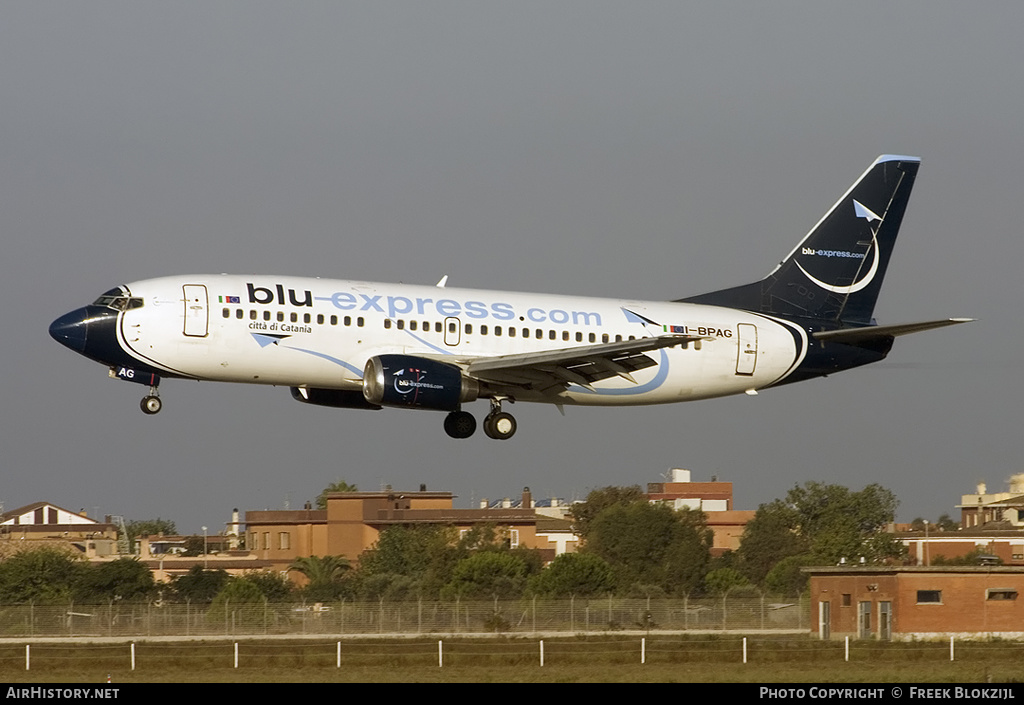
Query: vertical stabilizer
[836, 272]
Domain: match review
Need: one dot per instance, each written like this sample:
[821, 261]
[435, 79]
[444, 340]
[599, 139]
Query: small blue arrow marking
[264, 340]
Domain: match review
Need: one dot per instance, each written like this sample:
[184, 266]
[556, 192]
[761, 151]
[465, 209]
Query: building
[1002, 546]
[43, 522]
[981, 508]
[713, 498]
[353, 520]
[917, 602]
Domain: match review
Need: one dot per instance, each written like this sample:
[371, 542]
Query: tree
[722, 580]
[339, 486]
[651, 544]
[324, 574]
[274, 586]
[583, 513]
[199, 585]
[786, 576]
[412, 561]
[579, 574]
[47, 574]
[826, 522]
[150, 527]
[487, 574]
[124, 579]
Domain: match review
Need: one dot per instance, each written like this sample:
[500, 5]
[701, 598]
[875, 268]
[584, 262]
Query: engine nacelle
[338, 398]
[416, 382]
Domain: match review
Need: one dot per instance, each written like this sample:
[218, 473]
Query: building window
[1000, 594]
[266, 540]
[847, 599]
[284, 541]
[933, 597]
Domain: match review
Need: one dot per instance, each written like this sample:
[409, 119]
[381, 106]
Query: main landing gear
[498, 424]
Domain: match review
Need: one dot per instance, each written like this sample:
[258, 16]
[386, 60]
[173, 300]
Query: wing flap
[581, 365]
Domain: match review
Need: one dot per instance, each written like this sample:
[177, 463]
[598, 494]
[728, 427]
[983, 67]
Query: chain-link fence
[527, 616]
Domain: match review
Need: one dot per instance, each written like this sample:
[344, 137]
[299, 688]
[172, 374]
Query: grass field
[688, 659]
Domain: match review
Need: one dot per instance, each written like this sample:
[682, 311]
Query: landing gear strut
[151, 404]
[499, 424]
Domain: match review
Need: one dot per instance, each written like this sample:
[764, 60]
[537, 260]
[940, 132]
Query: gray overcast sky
[650, 150]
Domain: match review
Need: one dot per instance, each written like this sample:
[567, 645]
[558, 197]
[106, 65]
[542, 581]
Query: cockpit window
[118, 300]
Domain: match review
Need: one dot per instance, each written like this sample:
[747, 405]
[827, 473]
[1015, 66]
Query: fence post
[643, 650]
[847, 648]
[133, 655]
[28, 656]
[744, 649]
[440, 654]
[236, 654]
[339, 655]
[950, 648]
[542, 653]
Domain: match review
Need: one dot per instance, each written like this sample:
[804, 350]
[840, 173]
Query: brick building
[917, 602]
[353, 521]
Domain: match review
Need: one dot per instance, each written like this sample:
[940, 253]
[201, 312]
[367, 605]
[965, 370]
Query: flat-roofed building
[917, 602]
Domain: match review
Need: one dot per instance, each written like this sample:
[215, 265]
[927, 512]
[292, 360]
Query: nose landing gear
[151, 403]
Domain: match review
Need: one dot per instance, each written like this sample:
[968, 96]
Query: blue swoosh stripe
[656, 381]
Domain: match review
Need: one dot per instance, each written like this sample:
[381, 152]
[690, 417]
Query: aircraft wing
[580, 365]
[853, 336]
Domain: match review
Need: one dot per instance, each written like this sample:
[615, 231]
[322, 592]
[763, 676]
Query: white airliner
[363, 345]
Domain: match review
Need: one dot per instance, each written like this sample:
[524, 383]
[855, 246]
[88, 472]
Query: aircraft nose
[72, 330]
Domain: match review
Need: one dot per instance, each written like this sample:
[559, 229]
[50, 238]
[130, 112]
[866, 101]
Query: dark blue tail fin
[836, 272]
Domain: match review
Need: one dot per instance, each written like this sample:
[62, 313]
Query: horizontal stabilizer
[853, 336]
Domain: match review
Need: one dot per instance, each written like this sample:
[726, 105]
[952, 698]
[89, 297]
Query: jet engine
[416, 382]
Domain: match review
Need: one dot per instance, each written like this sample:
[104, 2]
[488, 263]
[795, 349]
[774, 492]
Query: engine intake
[410, 381]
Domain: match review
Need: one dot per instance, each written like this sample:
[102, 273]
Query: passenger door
[197, 319]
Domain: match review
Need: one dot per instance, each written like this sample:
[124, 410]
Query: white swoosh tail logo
[867, 214]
